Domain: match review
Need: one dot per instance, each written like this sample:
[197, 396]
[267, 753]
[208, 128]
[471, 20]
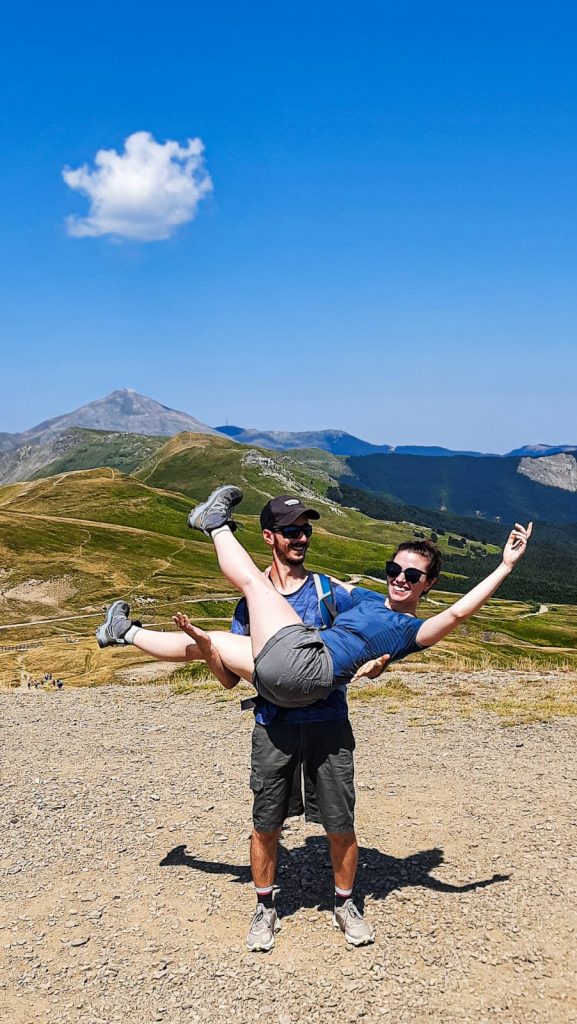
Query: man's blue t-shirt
[368, 630]
[306, 603]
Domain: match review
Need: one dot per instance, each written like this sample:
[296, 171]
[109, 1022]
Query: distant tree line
[383, 506]
[547, 574]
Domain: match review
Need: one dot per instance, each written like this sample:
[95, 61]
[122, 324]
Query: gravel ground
[125, 894]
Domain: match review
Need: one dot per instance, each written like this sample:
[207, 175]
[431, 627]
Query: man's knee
[342, 839]
[268, 838]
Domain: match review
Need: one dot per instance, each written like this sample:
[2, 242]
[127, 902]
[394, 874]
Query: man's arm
[442, 624]
[240, 627]
[216, 665]
[204, 648]
[371, 669]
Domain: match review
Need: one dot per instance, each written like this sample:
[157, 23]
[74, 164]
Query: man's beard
[293, 555]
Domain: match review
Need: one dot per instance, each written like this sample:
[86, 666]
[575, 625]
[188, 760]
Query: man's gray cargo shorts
[318, 753]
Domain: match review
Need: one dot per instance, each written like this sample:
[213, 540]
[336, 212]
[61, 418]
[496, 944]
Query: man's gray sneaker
[216, 510]
[115, 626]
[350, 920]
[263, 927]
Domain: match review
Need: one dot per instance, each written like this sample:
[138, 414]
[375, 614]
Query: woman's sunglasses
[393, 569]
[294, 531]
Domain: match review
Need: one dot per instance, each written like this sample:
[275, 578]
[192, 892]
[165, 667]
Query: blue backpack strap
[327, 603]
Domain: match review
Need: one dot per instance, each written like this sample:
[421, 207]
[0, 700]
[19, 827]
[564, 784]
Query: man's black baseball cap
[283, 511]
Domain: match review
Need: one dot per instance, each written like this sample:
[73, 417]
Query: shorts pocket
[343, 763]
[256, 783]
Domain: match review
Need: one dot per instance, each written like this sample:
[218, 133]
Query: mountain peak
[123, 410]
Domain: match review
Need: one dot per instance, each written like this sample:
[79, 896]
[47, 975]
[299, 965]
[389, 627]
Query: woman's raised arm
[441, 625]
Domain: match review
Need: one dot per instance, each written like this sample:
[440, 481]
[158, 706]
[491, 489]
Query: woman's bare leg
[234, 651]
[194, 644]
[166, 646]
[268, 610]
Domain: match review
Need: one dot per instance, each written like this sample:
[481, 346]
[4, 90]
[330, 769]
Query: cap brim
[291, 517]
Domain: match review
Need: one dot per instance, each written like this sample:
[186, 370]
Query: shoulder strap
[326, 598]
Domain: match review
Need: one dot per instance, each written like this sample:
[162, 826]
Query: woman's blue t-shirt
[368, 630]
[364, 628]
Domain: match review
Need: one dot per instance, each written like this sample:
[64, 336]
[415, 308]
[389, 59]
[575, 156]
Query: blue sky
[389, 245]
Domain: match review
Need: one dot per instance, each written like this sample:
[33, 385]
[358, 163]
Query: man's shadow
[305, 874]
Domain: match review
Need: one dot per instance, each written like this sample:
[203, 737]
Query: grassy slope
[113, 532]
[70, 543]
[192, 464]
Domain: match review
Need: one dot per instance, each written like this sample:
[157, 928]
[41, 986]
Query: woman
[291, 664]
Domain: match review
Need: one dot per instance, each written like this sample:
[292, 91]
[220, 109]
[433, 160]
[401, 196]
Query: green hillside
[489, 488]
[100, 495]
[547, 573]
[193, 464]
[186, 467]
[71, 543]
[115, 530]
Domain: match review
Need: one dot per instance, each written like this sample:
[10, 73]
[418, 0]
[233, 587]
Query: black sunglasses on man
[293, 531]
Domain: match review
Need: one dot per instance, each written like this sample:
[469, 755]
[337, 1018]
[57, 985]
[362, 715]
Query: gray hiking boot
[115, 626]
[263, 927]
[350, 920]
[216, 510]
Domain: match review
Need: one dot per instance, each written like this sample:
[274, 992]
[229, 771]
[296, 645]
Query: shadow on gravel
[177, 857]
[305, 874]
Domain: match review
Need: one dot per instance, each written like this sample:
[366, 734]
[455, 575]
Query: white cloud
[146, 192]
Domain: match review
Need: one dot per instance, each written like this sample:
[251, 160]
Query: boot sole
[204, 506]
[101, 633]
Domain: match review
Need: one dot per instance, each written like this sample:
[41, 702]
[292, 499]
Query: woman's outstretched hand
[516, 544]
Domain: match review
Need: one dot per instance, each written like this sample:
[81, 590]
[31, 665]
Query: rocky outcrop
[23, 463]
[552, 471]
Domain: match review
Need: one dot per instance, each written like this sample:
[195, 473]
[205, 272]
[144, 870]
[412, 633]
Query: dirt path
[125, 896]
[91, 615]
[94, 523]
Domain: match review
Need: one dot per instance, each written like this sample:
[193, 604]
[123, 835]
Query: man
[315, 741]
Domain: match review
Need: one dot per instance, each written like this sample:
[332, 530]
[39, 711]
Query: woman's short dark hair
[428, 550]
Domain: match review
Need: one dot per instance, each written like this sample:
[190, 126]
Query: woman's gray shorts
[294, 668]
